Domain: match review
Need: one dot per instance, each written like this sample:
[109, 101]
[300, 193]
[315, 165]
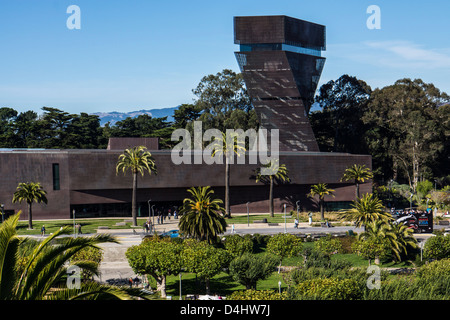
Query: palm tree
[277, 173]
[365, 210]
[202, 216]
[321, 190]
[404, 240]
[379, 232]
[38, 275]
[138, 160]
[29, 192]
[227, 146]
[357, 173]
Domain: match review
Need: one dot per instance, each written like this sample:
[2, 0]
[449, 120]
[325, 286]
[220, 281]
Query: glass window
[56, 182]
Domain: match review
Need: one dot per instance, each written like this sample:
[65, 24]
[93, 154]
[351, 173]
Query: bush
[372, 249]
[237, 245]
[437, 247]
[249, 268]
[346, 243]
[91, 255]
[316, 258]
[434, 269]
[327, 289]
[284, 245]
[257, 295]
[328, 245]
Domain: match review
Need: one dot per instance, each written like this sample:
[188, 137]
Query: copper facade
[88, 177]
[280, 60]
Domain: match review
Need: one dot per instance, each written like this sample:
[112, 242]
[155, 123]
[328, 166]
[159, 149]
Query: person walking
[43, 230]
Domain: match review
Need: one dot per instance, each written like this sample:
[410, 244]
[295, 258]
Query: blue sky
[136, 54]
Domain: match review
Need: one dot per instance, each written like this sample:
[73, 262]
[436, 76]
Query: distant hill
[115, 116]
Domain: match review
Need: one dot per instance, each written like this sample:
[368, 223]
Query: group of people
[162, 215]
[401, 212]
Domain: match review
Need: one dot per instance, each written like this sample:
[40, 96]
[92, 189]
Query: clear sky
[145, 54]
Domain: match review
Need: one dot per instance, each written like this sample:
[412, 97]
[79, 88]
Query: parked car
[171, 234]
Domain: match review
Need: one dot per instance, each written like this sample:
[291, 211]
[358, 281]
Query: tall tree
[357, 173]
[7, 118]
[224, 102]
[278, 173]
[227, 145]
[202, 216]
[342, 102]
[321, 190]
[405, 120]
[30, 192]
[137, 160]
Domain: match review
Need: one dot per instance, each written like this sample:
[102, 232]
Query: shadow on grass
[222, 284]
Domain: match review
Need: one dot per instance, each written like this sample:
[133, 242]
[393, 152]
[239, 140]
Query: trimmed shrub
[437, 247]
[284, 245]
[237, 245]
[257, 295]
[328, 245]
[249, 268]
[328, 289]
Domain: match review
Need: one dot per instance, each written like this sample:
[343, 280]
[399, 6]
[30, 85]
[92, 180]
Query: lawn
[279, 218]
[87, 225]
[222, 284]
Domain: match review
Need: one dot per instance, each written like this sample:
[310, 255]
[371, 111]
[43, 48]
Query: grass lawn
[222, 284]
[87, 225]
[279, 218]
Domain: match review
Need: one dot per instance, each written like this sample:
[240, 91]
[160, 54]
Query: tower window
[55, 169]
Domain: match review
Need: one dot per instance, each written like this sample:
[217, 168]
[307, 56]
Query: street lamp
[149, 200]
[285, 231]
[248, 216]
[298, 207]
[153, 218]
[74, 230]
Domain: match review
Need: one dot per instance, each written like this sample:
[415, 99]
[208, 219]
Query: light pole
[153, 218]
[73, 214]
[149, 201]
[248, 216]
[180, 287]
[285, 230]
[298, 207]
